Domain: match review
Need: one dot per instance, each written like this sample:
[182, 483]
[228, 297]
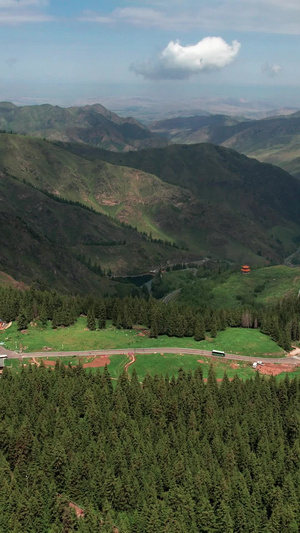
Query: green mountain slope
[42, 240]
[131, 195]
[210, 199]
[237, 205]
[273, 140]
[227, 288]
[93, 124]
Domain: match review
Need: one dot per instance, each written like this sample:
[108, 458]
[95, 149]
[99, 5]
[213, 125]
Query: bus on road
[218, 352]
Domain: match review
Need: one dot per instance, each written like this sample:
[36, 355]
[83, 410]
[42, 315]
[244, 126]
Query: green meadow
[157, 364]
[242, 341]
[169, 364]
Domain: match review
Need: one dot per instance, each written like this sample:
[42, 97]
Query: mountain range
[206, 198]
[92, 124]
[69, 208]
[273, 140]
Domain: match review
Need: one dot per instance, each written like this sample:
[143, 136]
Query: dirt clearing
[97, 362]
[273, 369]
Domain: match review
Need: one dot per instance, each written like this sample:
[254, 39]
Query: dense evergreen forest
[168, 455]
[280, 321]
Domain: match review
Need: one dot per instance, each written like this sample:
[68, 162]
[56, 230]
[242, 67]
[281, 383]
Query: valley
[129, 213]
[149, 266]
[120, 275]
[273, 140]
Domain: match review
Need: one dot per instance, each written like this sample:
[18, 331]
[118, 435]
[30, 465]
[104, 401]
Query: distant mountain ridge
[92, 124]
[273, 140]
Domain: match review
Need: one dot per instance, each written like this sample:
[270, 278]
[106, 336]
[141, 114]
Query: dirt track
[291, 361]
[132, 360]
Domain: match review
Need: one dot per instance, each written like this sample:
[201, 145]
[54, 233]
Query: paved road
[166, 299]
[9, 353]
[294, 360]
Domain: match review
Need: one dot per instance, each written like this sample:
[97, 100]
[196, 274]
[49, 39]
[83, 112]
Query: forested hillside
[51, 242]
[168, 455]
[188, 202]
[239, 203]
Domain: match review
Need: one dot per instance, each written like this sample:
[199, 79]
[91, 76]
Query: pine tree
[224, 520]
[199, 329]
[206, 520]
[102, 315]
[43, 316]
[213, 328]
[55, 319]
[154, 330]
[91, 322]
[189, 323]
[23, 320]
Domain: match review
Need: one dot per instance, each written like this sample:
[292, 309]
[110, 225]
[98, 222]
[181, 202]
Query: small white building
[3, 358]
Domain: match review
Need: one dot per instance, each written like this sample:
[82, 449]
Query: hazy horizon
[126, 51]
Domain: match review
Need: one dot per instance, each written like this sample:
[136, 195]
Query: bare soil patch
[97, 362]
[273, 369]
[78, 510]
[295, 351]
[49, 363]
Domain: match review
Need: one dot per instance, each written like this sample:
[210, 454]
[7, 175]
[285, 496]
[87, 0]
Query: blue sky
[74, 51]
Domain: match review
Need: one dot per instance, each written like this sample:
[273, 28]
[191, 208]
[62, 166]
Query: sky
[69, 52]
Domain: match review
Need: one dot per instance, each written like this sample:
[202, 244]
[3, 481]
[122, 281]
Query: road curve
[293, 361]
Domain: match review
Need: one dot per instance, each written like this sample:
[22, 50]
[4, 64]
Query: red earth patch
[273, 369]
[97, 362]
[49, 363]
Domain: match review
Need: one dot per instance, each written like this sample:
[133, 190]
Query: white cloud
[180, 62]
[271, 70]
[14, 12]
[24, 18]
[270, 16]
[20, 4]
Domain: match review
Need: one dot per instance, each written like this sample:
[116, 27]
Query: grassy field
[75, 338]
[159, 364]
[163, 364]
[153, 364]
[261, 286]
[264, 285]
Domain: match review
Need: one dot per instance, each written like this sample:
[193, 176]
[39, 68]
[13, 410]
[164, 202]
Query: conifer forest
[281, 321]
[83, 452]
[166, 455]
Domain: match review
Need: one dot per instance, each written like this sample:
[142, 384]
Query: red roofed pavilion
[245, 269]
